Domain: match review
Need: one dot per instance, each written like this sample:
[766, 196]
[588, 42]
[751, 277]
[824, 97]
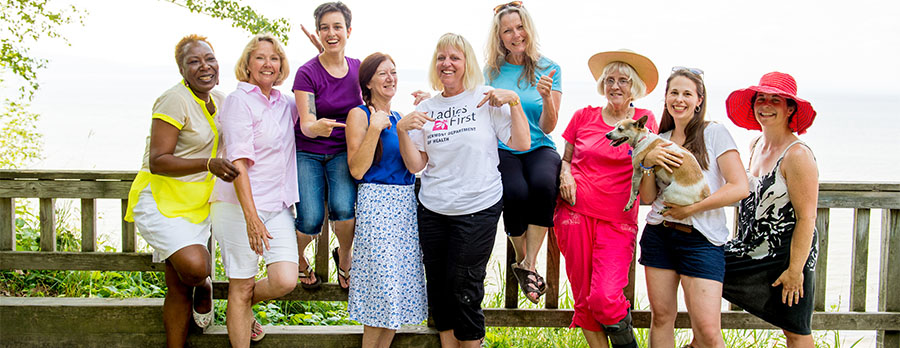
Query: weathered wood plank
[511, 286]
[327, 292]
[129, 237]
[72, 322]
[322, 250]
[891, 186]
[861, 199]
[7, 224]
[888, 296]
[48, 224]
[551, 298]
[88, 224]
[127, 175]
[78, 261]
[822, 219]
[860, 259]
[64, 189]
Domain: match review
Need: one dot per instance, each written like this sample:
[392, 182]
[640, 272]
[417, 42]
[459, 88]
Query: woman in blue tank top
[387, 279]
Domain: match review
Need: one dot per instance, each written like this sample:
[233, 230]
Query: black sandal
[307, 274]
[342, 274]
[528, 285]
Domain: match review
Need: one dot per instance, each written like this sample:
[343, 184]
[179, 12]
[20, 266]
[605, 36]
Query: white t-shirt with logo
[711, 223]
[461, 175]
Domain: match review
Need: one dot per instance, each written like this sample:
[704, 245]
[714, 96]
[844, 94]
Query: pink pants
[598, 255]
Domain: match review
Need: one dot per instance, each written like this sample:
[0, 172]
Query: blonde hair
[495, 52]
[638, 88]
[180, 47]
[472, 76]
[242, 67]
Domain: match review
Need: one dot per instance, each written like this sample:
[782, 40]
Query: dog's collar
[642, 139]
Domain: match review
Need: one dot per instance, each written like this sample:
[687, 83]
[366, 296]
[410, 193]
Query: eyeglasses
[498, 8]
[623, 82]
[695, 71]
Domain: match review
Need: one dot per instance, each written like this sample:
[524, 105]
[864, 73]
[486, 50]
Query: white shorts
[166, 235]
[230, 230]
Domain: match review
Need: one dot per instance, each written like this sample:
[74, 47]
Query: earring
[697, 109]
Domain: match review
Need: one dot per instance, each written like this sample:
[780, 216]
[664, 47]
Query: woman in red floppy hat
[770, 264]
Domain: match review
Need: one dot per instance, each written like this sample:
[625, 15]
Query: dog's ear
[642, 121]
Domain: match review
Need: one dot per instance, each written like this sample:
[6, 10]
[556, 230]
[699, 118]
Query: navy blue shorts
[689, 254]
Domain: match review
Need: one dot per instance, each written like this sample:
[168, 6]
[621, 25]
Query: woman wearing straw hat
[769, 265]
[595, 236]
[684, 244]
[529, 177]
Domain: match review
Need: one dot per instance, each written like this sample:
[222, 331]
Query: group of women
[481, 150]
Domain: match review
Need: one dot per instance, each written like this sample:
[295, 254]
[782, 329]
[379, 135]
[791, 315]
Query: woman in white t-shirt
[684, 244]
[453, 136]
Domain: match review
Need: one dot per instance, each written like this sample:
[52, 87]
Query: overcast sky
[97, 93]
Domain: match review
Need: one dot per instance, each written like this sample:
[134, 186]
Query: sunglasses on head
[695, 71]
[498, 8]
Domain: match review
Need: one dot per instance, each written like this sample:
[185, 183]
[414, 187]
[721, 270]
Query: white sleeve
[720, 139]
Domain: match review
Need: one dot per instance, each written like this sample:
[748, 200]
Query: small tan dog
[686, 184]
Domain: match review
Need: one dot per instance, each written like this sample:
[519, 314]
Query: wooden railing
[89, 186]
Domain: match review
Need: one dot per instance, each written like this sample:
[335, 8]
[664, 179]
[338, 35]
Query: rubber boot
[621, 334]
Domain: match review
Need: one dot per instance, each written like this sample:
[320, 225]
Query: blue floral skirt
[387, 277]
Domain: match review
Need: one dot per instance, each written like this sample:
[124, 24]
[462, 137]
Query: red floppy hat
[740, 102]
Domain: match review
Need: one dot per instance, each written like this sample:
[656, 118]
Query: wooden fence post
[88, 224]
[889, 297]
[859, 259]
[7, 224]
[48, 224]
[822, 216]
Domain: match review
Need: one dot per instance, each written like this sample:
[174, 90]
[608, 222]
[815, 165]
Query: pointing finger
[487, 96]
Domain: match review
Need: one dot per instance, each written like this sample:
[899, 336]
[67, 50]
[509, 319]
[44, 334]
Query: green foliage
[243, 17]
[20, 141]
[22, 24]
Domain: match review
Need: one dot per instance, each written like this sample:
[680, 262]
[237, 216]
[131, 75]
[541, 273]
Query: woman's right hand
[258, 235]
[567, 186]
[379, 120]
[312, 39]
[413, 120]
[664, 157]
[223, 169]
[323, 127]
[420, 95]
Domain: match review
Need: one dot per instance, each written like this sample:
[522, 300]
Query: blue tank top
[390, 170]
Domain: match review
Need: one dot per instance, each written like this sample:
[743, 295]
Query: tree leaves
[243, 17]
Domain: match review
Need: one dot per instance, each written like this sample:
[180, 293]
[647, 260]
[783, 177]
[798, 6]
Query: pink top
[602, 172]
[260, 130]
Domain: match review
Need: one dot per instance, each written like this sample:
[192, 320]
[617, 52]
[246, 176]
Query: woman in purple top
[326, 89]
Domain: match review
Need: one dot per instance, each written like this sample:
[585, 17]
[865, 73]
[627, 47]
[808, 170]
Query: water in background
[850, 138]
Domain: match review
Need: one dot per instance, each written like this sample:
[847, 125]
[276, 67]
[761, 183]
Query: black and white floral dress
[760, 253]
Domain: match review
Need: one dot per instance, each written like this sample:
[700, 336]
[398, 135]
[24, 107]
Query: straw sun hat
[644, 67]
[740, 102]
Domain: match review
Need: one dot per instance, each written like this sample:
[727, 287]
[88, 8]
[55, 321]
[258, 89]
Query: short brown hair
[329, 7]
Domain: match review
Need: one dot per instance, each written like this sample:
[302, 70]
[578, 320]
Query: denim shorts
[689, 254]
[321, 177]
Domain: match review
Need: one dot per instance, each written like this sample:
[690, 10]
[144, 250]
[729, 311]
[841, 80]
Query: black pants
[530, 187]
[455, 251]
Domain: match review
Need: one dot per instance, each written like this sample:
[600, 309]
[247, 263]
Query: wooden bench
[97, 322]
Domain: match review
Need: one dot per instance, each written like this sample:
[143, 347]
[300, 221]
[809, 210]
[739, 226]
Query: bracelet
[646, 170]
[207, 164]
[514, 102]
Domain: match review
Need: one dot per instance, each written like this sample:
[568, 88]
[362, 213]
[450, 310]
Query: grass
[115, 284]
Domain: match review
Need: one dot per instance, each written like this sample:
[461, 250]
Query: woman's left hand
[678, 212]
[258, 235]
[497, 97]
[791, 286]
[545, 84]
[223, 169]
